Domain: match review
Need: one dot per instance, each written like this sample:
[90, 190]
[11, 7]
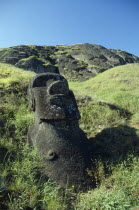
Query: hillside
[77, 62]
[110, 118]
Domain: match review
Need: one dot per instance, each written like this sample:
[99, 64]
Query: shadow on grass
[123, 112]
[87, 101]
[114, 145]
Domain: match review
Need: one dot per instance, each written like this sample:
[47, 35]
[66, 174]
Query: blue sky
[110, 23]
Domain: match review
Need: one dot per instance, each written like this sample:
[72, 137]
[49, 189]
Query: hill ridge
[78, 62]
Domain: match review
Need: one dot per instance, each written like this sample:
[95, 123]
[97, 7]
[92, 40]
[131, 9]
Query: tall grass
[119, 191]
[106, 119]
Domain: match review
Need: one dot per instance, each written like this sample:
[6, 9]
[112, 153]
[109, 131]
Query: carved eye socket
[58, 87]
[51, 155]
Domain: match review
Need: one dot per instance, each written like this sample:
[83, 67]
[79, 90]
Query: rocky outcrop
[35, 64]
[75, 62]
[62, 145]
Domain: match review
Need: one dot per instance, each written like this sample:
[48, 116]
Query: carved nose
[58, 87]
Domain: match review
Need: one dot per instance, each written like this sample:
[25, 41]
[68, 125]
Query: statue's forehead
[44, 79]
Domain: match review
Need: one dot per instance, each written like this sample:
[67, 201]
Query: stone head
[51, 99]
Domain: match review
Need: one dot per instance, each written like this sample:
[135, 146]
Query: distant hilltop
[77, 62]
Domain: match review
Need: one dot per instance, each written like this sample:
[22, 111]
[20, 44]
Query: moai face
[51, 98]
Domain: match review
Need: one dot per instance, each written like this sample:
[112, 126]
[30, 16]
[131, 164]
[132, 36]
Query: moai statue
[60, 142]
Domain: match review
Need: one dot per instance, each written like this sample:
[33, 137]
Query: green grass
[120, 191]
[110, 120]
[111, 83]
[118, 86]
[94, 66]
[9, 75]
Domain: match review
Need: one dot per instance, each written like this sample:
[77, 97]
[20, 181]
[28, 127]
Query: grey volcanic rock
[61, 144]
[51, 99]
[75, 62]
[35, 64]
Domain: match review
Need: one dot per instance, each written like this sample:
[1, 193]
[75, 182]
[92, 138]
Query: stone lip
[76, 62]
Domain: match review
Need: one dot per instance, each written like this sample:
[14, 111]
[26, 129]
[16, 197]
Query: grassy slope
[118, 86]
[115, 79]
[114, 110]
[10, 75]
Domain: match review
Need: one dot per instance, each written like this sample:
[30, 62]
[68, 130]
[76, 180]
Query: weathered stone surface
[61, 144]
[63, 150]
[51, 98]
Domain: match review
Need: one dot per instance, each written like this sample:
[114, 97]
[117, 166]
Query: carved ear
[51, 155]
[31, 98]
